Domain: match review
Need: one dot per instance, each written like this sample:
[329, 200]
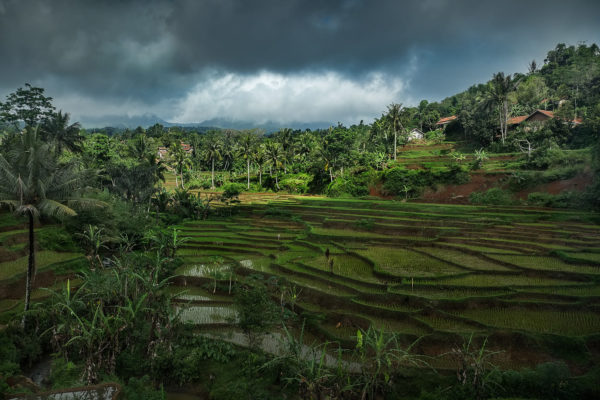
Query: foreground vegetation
[122, 262]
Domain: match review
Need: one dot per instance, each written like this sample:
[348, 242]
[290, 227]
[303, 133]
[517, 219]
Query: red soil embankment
[578, 184]
[459, 194]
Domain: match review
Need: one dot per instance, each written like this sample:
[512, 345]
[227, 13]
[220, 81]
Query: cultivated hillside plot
[525, 277]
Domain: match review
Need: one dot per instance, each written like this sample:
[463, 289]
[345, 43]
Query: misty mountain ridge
[147, 120]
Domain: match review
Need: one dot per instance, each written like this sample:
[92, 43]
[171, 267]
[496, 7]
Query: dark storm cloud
[104, 56]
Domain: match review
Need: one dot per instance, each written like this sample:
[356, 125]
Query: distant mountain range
[146, 120]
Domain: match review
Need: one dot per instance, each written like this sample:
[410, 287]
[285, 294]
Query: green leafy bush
[410, 182]
[295, 183]
[56, 238]
[353, 184]
[551, 155]
[232, 189]
[567, 199]
[494, 196]
[142, 389]
[526, 179]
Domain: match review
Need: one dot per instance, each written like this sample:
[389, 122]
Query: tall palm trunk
[248, 165]
[395, 143]
[30, 269]
[212, 177]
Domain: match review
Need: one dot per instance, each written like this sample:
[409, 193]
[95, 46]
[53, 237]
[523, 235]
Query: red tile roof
[517, 120]
[548, 114]
[446, 120]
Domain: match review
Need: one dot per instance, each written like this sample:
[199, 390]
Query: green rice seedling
[570, 323]
[546, 264]
[335, 279]
[10, 219]
[9, 234]
[590, 257]
[346, 233]
[320, 286]
[202, 315]
[489, 280]
[464, 259]
[541, 298]
[232, 242]
[577, 291]
[394, 325]
[451, 293]
[8, 304]
[550, 246]
[211, 269]
[407, 263]
[447, 324]
[483, 249]
[195, 293]
[344, 265]
[43, 259]
[257, 234]
[262, 264]
[387, 306]
[222, 251]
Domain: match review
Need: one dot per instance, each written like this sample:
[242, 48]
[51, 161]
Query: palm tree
[326, 154]
[246, 148]
[212, 152]
[304, 145]
[393, 119]
[33, 185]
[285, 138]
[140, 147]
[274, 153]
[56, 130]
[259, 159]
[500, 87]
[181, 161]
[157, 166]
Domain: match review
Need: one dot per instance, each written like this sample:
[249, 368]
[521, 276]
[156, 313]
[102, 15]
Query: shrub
[354, 184]
[541, 199]
[400, 180]
[295, 183]
[255, 309]
[526, 179]
[56, 238]
[551, 155]
[435, 136]
[232, 190]
[568, 199]
[198, 183]
[364, 223]
[494, 196]
[142, 389]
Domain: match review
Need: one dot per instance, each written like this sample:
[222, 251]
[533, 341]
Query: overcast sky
[273, 60]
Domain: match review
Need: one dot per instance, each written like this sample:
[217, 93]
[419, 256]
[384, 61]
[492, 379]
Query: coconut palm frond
[55, 209]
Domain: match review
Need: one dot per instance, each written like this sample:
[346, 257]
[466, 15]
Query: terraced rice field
[416, 269]
[52, 267]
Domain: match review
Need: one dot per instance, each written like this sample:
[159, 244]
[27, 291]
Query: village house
[415, 134]
[164, 151]
[537, 116]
